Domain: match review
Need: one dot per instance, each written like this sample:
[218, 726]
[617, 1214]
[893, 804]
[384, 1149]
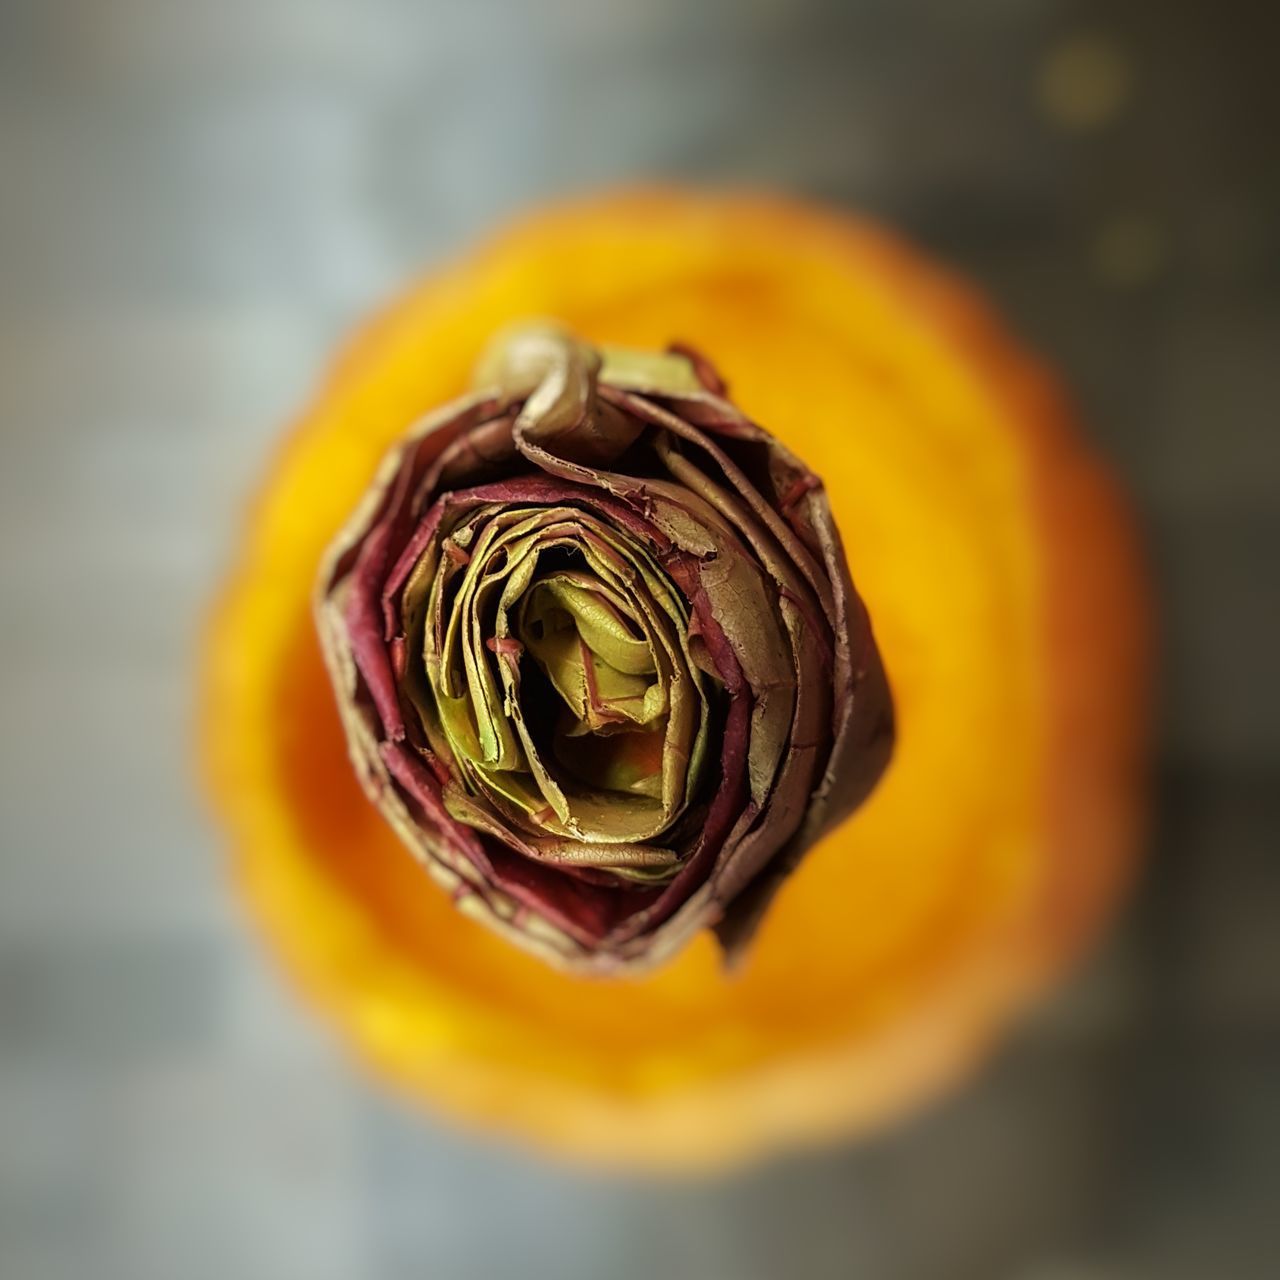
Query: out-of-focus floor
[198, 199]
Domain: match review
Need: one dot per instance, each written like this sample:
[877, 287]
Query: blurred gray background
[198, 199]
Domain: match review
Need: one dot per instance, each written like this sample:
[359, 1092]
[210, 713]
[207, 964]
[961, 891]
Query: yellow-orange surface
[1004, 590]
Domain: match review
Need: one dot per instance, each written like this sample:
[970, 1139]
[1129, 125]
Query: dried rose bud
[597, 653]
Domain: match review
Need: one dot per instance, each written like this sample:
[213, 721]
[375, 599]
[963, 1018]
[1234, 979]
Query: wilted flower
[597, 653]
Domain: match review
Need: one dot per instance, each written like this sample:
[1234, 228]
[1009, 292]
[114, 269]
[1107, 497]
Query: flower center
[558, 667]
